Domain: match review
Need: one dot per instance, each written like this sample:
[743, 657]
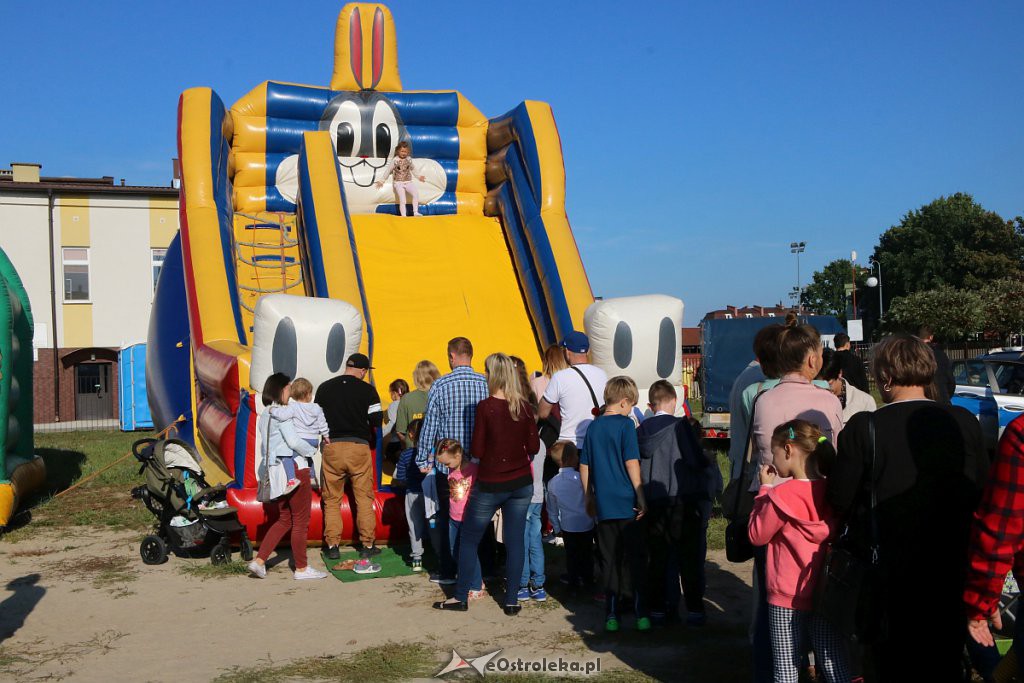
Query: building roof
[65, 185]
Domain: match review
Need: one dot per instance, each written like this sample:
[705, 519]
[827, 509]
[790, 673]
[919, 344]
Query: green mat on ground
[391, 560]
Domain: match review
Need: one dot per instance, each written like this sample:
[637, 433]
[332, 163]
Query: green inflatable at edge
[21, 471]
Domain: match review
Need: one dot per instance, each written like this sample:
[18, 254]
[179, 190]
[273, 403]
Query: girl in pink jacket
[792, 519]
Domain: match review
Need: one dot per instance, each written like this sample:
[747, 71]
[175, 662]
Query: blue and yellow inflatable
[279, 194]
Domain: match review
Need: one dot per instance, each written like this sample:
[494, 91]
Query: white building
[88, 251]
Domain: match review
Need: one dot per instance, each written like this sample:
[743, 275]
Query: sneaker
[417, 214]
[369, 552]
[417, 565]
[290, 486]
[643, 624]
[364, 566]
[332, 553]
[539, 594]
[611, 625]
[441, 581]
[697, 619]
[476, 595]
[523, 594]
[309, 574]
[258, 570]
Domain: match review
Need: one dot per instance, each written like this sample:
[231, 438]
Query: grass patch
[205, 570]
[388, 662]
[102, 502]
[101, 572]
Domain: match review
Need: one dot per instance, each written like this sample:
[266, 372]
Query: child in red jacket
[792, 519]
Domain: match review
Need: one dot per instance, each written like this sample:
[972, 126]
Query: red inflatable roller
[257, 517]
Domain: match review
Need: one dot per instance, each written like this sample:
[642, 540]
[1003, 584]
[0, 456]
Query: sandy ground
[80, 605]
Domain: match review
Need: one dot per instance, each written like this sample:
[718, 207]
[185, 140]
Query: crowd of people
[823, 470]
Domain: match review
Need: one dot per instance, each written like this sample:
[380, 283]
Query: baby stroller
[192, 516]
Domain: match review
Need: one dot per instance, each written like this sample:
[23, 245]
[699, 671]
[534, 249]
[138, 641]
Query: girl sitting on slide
[404, 170]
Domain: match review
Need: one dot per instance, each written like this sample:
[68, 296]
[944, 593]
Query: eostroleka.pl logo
[491, 663]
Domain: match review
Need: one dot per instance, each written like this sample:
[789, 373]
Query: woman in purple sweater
[504, 439]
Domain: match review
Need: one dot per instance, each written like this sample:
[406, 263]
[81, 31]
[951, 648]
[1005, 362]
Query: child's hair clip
[792, 434]
[822, 439]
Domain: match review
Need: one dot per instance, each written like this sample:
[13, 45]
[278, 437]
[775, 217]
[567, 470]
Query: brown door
[93, 399]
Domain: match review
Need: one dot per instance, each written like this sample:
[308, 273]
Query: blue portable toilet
[134, 406]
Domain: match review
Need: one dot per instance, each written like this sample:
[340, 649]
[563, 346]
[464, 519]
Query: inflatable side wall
[21, 471]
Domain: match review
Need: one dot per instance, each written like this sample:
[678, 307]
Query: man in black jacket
[851, 364]
[944, 385]
[352, 408]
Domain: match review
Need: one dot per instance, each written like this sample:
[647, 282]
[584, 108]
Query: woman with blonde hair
[504, 439]
[413, 405]
[554, 360]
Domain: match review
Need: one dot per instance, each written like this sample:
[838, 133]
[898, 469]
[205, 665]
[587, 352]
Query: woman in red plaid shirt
[997, 538]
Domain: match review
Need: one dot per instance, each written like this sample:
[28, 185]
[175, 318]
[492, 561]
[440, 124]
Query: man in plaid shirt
[997, 536]
[450, 414]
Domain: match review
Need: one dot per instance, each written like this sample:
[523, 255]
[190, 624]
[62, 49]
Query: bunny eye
[385, 128]
[345, 139]
[622, 345]
[345, 129]
[667, 347]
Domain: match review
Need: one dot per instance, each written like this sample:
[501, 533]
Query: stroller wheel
[221, 553]
[245, 548]
[153, 550]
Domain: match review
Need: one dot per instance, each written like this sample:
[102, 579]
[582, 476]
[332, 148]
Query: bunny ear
[355, 45]
[378, 47]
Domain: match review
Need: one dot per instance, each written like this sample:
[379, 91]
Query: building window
[728, 316]
[76, 274]
[749, 315]
[158, 263]
[771, 315]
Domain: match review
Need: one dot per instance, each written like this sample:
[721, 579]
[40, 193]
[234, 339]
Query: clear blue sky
[700, 139]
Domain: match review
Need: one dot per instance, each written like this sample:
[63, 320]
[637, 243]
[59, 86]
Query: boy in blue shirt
[410, 477]
[610, 474]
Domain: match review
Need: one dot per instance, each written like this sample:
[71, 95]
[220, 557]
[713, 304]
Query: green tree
[951, 313]
[828, 291]
[952, 241]
[1003, 304]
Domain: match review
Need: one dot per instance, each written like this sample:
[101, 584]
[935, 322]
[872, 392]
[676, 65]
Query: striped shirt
[451, 412]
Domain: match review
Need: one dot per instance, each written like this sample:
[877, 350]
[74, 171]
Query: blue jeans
[439, 539]
[479, 510]
[533, 566]
[454, 529]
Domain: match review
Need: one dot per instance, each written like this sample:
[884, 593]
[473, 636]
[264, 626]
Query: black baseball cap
[358, 361]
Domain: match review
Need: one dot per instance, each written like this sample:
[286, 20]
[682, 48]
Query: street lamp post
[877, 282]
[798, 248]
[853, 269]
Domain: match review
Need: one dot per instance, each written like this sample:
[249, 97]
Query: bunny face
[302, 337]
[365, 128]
[638, 336]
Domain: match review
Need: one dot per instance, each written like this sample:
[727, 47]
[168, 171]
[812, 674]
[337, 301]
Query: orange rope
[163, 433]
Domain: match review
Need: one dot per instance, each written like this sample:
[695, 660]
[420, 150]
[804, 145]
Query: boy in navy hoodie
[676, 476]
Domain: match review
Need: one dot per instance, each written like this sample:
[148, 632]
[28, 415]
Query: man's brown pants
[348, 461]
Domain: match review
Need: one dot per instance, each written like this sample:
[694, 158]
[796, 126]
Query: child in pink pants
[405, 174]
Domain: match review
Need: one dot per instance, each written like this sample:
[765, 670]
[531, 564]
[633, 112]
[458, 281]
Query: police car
[992, 387]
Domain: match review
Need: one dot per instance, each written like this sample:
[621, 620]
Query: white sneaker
[365, 566]
[256, 569]
[309, 573]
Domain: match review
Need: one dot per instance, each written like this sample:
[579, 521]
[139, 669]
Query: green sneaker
[643, 624]
[612, 625]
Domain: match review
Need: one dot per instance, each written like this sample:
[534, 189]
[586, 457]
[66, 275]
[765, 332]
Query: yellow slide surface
[432, 278]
